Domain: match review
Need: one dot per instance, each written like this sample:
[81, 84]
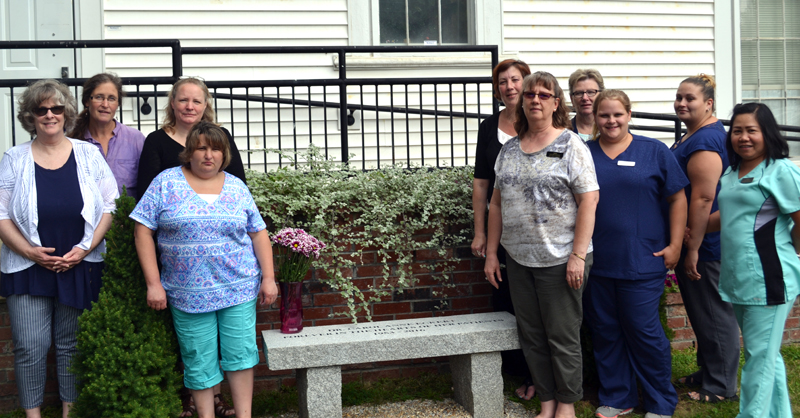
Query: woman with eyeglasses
[702, 155]
[542, 212]
[492, 134]
[635, 244]
[188, 103]
[584, 84]
[56, 199]
[120, 145]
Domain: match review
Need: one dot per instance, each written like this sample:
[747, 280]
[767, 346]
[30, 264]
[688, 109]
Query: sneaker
[609, 412]
[652, 415]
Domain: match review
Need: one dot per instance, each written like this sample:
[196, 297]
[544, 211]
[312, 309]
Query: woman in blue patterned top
[216, 260]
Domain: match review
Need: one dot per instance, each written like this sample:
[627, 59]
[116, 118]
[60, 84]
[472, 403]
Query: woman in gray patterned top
[542, 211]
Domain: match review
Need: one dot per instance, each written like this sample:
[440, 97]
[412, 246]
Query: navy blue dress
[61, 227]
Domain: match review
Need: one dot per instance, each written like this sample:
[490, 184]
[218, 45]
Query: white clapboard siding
[643, 47]
[226, 23]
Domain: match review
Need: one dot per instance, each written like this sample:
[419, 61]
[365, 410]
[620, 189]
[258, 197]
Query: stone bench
[473, 343]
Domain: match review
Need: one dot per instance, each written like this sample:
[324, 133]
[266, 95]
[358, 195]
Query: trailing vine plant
[353, 211]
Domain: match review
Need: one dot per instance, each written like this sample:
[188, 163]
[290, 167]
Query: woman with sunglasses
[120, 145]
[584, 84]
[542, 212]
[56, 199]
[189, 102]
[492, 134]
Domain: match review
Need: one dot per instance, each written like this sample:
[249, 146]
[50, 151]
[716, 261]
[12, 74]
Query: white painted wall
[643, 47]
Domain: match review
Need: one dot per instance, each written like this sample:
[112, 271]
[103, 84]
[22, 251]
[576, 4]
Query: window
[770, 34]
[418, 22]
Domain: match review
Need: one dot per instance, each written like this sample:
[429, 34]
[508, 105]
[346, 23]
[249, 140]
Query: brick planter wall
[684, 336]
[471, 294]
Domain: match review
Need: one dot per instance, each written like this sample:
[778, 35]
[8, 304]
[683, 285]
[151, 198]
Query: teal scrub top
[759, 262]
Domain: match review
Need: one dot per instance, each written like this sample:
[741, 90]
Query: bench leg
[320, 390]
[478, 383]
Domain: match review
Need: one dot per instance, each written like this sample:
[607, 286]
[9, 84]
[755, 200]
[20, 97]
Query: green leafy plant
[126, 351]
[386, 211]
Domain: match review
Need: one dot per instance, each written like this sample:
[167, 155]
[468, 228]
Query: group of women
[57, 193]
[588, 230]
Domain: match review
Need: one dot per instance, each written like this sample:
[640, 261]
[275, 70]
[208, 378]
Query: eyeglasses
[542, 96]
[41, 111]
[580, 93]
[99, 98]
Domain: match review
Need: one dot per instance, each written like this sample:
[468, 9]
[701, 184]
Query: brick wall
[471, 294]
[684, 336]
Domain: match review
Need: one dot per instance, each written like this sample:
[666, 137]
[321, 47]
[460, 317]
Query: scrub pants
[714, 325]
[629, 343]
[549, 316]
[764, 391]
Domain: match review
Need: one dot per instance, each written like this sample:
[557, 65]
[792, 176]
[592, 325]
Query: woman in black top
[189, 102]
[492, 134]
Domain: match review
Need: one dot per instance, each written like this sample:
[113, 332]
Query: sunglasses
[542, 96]
[57, 110]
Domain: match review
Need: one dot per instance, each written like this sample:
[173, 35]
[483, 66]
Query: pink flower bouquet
[293, 249]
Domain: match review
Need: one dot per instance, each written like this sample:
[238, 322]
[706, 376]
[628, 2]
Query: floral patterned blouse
[207, 257]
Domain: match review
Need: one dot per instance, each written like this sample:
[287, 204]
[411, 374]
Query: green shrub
[126, 351]
[384, 210]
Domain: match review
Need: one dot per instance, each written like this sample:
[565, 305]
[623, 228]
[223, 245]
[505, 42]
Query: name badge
[747, 180]
[553, 154]
[626, 163]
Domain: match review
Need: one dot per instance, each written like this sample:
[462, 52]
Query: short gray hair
[41, 91]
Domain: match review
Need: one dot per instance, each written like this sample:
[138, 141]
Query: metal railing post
[343, 105]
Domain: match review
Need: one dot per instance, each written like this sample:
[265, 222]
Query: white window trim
[362, 19]
[727, 56]
[89, 26]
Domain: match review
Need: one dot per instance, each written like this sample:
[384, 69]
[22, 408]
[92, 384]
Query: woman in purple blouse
[216, 260]
[120, 145]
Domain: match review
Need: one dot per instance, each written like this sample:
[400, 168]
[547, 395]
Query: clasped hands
[42, 257]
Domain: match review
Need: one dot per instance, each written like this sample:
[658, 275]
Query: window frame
[471, 25]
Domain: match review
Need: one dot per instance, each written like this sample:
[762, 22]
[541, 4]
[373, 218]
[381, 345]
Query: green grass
[683, 363]
[438, 387]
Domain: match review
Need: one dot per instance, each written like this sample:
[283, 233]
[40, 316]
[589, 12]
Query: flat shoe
[690, 381]
[708, 397]
[522, 391]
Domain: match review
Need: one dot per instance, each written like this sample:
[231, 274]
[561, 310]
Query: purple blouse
[124, 149]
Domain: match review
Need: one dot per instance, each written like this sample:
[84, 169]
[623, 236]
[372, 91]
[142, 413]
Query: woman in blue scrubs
[635, 244]
[759, 212]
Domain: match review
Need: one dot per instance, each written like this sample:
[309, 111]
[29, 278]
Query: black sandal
[708, 397]
[690, 381]
[528, 384]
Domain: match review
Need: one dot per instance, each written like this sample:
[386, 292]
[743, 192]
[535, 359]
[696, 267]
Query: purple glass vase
[291, 307]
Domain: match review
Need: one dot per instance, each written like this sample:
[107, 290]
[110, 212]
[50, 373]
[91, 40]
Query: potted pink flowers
[294, 249]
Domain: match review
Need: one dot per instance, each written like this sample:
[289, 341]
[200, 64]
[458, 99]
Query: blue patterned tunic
[207, 258]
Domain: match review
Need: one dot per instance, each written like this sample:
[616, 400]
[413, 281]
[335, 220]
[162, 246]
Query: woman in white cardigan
[56, 199]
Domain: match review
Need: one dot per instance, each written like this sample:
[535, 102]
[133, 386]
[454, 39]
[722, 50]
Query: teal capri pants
[198, 333]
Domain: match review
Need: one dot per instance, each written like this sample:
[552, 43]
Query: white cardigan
[18, 198]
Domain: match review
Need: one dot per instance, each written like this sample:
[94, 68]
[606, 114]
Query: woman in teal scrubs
[759, 214]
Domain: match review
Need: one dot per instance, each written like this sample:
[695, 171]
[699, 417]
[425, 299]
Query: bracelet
[577, 255]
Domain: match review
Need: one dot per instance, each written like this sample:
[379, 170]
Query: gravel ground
[447, 408]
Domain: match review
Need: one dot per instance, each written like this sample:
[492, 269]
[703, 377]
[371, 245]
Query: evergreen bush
[126, 351]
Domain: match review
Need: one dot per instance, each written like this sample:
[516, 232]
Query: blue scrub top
[708, 138]
[630, 224]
